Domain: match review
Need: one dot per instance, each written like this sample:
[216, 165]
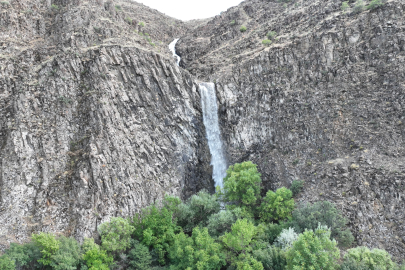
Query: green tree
[156, 228]
[197, 210]
[242, 185]
[198, 252]
[25, 256]
[277, 205]
[68, 255]
[308, 216]
[313, 251]
[94, 257]
[373, 259]
[272, 258]
[247, 262]
[222, 221]
[116, 234]
[6, 263]
[48, 246]
[140, 258]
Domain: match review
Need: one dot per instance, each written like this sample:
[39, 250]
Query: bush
[375, 4]
[68, 256]
[118, 7]
[155, 228]
[296, 187]
[54, 7]
[271, 35]
[141, 24]
[6, 263]
[48, 245]
[350, 264]
[239, 241]
[286, 238]
[116, 234]
[374, 259]
[358, 6]
[266, 42]
[277, 205]
[94, 257]
[197, 210]
[345, 6]
[242, 28]
[196, 252]
[247, 262]
[232, 22]
[222, 221]
[308, 216]
[313, 250]
[272, 258]
[242, 185]
[26, 255]
[139, 255]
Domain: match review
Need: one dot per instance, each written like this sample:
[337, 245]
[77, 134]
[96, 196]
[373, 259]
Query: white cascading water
[210, 117]
[173, 50]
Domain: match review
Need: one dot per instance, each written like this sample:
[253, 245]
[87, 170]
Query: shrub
[345, 6]
[155, 228]
[273, 230]
[272, 258]
[141, 24]
[25, 255]
[116, 234]
[197, 210]
[358, 6]
[48, 246]
[266, 42]
[277, 205]
[242, 28]
[6, 263]
[118, 7]
[233, 22]
[68, 256]
[242, 185]
[313, 250]
[307, 216]
[239, 241]
[128, 20]
[222, 221]
[286, 238]
[271, 35]
[196, 252]
[373, 259]
[54, 7]
[375, 4]
[247, 262]
[94, 257]
[350, 264]
[140, 257]
[296, 187]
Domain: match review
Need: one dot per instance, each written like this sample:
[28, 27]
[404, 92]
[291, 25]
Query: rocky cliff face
[95, 121]
[323, 103]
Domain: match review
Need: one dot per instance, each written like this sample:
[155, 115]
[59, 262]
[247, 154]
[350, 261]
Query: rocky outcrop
[89, 131]
[323, 103]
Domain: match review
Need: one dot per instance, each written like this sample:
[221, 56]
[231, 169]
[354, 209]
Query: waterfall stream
[210, 117]
[173, 50]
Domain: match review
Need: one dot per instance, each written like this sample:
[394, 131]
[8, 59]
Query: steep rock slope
[95, 121]
[323, 103]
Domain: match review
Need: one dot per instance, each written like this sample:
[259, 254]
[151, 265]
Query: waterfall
[210, 117]
[173, 50]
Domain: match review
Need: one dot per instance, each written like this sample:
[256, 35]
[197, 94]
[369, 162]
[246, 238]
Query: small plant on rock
[141, 24]
[345, 6]
[359, 6]
[266, 42]
[296, 186]
[375, 4]
[118, 7]
[232, 22]
[243, 28]
[271, 35]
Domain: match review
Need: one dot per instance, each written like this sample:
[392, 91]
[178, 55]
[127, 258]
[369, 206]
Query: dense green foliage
[296, 187]
[234, 229]
[308, 216]
[313, 250]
